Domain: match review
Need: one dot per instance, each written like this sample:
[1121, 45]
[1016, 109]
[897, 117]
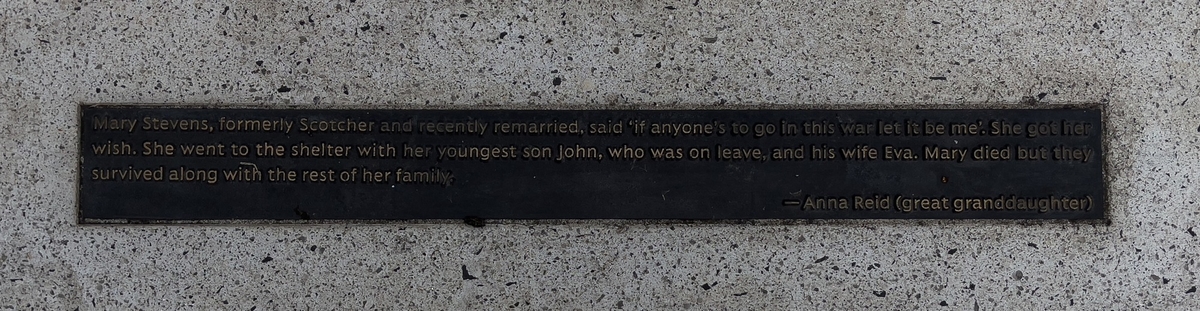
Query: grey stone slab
[1139, 60]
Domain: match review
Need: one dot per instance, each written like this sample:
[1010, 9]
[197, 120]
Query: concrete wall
[1139, 59]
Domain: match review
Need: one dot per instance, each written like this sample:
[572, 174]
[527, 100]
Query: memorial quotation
[143, 163]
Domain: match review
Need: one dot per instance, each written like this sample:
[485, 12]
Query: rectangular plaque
[159, 163]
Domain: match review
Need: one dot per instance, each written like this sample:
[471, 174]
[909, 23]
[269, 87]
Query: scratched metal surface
[608, 164]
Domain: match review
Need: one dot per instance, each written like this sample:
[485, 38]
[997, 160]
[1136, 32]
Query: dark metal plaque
[153, 163]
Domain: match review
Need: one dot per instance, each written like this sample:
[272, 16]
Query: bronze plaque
[163, 164]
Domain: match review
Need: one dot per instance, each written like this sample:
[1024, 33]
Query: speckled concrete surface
[1139, 59]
